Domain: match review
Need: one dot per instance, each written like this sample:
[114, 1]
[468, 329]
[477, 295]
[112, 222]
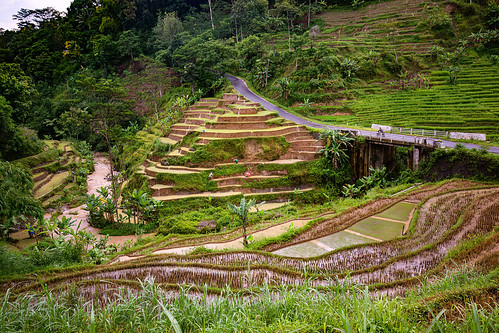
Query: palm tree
[335, 146]
[242, 212]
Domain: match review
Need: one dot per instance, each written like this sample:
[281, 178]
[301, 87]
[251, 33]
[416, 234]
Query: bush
[391, 64]
[43, 157]
[125, 229]
[460, 162]
[226, 150]
[186, 223]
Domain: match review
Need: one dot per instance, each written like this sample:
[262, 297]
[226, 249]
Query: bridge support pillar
[415, 158]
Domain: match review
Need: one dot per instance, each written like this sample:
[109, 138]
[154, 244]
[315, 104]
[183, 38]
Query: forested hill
[57, 68]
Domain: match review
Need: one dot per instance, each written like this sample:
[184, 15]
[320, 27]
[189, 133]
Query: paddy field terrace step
[251, 125]
[231, 134]
[154, 170]
[239, 191]
[40, 176]
[192, 121]
[172, 168]
[302, 155]
[245, 110]
[229, 190]
[43, 182]
[240, 180]
[231, 117]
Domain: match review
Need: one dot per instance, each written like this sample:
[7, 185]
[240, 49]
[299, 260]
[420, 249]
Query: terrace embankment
[229, 147]
[447, 215]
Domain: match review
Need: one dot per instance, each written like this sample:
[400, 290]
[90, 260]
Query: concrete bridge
[380, 150]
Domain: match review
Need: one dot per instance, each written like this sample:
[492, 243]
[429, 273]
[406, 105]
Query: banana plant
[242, 212]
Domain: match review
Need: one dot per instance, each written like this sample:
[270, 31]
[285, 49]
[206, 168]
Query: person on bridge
[380, 132]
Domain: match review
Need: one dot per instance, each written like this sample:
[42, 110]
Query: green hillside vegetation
[218, 215]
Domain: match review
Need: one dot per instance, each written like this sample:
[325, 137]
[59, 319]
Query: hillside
[162, 199]
[393, 63]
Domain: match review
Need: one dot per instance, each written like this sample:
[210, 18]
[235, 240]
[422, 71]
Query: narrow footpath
[241, 86]
[95, 181]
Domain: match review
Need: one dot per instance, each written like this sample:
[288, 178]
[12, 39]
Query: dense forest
[59, 69]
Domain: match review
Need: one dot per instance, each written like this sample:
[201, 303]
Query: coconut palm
[242, 212]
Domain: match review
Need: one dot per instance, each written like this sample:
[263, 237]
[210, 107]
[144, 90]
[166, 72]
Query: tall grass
[343, 307]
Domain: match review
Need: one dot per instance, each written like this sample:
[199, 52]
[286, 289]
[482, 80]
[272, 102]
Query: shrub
[43, 157]
[227, 149]
[460, 162]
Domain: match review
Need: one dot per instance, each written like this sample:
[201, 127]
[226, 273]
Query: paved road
[240, 85]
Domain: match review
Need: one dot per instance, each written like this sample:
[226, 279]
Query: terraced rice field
[384, 226]
[448, 213]
[469, 106]
[52, 177]
[264, 138]
[369, 27]
[389, 27]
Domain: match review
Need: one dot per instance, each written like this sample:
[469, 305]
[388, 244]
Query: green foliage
[335, 145]
[225, 150]
[17, 89]
[345, 307]
[16, 202]
[125, 229]
[349, 68]
[186, 222]
[137, 182]
[15, 142]
[188, 182]
[459, 162]
[141, 206]
[250, 49]
[43, 157]
[242, 212]
[377, 178]
[167, 28]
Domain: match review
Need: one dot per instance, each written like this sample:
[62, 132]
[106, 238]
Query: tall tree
[167, 28]
[291, 12]
[248, 15]
[35, 17]
[128, 44]
[18, 90]
[104, 97]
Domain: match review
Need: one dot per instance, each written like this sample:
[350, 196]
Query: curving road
[241, 86]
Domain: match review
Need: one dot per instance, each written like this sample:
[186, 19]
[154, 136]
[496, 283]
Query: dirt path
[95, 181]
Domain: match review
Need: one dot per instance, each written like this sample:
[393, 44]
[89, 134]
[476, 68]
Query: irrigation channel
[391, 223]
[448, 213]
[241, 86]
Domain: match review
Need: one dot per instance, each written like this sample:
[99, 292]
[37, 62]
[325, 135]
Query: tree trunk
[245, 237]
[111, 169]
[309, 12]
[267, 73]
[211, 16]
[289, 36]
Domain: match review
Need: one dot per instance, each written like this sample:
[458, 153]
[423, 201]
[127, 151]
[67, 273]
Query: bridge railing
[422, 132]
[431, 133]
[399, 139]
